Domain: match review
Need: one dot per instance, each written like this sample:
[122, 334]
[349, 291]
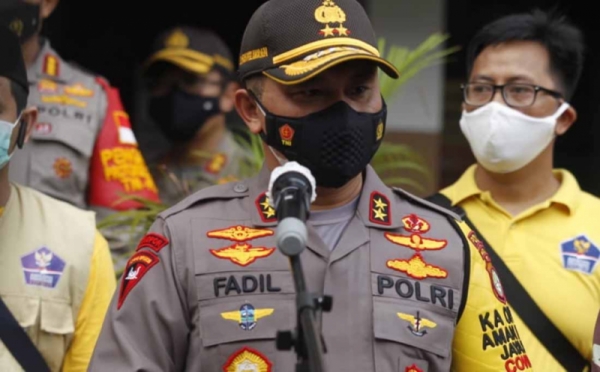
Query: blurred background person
[183, 107]
[56, 275]
[82, 149]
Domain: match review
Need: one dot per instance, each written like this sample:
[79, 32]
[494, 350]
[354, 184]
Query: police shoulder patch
[154, 241]
[138, 265]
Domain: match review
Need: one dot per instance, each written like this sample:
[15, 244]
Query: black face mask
[23, 19]
[335, 144]
[180, 115]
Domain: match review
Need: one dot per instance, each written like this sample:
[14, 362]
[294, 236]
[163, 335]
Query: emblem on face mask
[247, 316]
[379, 133]
[247, 359]
[417, 324]
[330, 14]
[241, 253]
[286, 133]
[16, 26]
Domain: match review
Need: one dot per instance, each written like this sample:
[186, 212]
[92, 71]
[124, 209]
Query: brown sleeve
[148, 322]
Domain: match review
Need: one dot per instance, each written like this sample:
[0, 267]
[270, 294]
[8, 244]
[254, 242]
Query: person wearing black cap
[55, 283]
[189, 88]
[412, 288]
[82, 149]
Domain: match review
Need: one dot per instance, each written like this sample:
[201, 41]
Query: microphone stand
[291, 241]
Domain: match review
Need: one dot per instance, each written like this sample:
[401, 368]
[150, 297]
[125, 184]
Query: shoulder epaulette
[424, 203]
[227, 191]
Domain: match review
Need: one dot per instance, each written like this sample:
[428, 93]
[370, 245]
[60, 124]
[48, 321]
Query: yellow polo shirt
[553, 249]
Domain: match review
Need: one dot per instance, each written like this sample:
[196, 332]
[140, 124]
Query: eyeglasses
[514, 94]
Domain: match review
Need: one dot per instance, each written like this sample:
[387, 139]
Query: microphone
[291, 191]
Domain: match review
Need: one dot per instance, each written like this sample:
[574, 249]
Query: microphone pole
[291, 193]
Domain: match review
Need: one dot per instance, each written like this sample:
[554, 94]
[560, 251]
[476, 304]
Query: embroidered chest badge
[247, 359]
[241, 252]
[580, 254]
[417, 324]
[416, 267]
[42, 268]
[247, 316]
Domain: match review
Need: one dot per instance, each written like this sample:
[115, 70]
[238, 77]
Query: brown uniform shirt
[207, 290]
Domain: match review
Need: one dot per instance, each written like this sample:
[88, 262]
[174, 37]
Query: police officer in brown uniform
[413, 290]
[82, 149]
[188, 90]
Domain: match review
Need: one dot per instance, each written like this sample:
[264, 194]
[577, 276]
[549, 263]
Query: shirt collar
[49, 65]
[464, 187]
[568, 193]
[376, 203]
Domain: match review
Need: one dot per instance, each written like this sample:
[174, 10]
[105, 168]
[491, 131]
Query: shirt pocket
[409, 337]
[60, 161]
[239, 333]
[48, 323]
[56, 332]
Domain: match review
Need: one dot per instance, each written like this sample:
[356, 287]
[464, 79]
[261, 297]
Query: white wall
[419, 107]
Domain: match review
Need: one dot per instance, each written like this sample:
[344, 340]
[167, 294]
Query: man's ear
[227, 102]
[28, 119]
[565, 121]
[47, 8]
[249, 111]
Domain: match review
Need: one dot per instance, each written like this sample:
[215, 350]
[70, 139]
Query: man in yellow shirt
[538, 224]
[56, 274]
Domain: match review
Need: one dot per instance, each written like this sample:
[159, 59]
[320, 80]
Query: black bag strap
[18, 343]
[545, 331]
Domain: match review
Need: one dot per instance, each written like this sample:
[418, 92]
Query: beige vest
[45, 254]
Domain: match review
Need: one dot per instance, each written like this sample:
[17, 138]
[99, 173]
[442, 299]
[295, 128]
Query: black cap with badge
[12, 65]
[291, 41]
[192, 49]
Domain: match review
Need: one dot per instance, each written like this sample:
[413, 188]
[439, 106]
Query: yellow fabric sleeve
[486, 338]
[99, 292]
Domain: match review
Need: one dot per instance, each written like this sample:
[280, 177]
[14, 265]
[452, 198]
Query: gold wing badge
[241, 253]
[417, 324]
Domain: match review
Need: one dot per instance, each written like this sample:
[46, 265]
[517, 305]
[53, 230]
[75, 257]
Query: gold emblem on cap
[178, 39]
[329, 13]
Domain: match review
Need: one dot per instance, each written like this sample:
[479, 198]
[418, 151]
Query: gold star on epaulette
[379, 207]
[267, 212]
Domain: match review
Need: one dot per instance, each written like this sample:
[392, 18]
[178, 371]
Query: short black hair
[563, 40]
[20, 95]
[255, 83]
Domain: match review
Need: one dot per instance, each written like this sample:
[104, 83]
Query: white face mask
[504, 140]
